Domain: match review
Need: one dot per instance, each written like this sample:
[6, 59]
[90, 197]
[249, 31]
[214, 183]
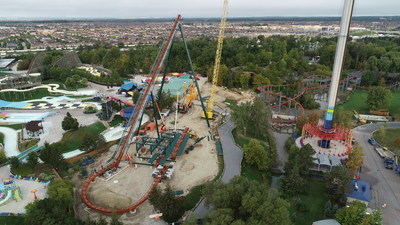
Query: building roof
[5, 62]
[33, 125]
[129, 86]
[360, 190]
[174, 86]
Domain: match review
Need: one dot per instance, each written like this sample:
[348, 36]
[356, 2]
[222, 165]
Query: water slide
[10, 141]
[9, 194]
[52, 88]
[17, 195]
[119, 100]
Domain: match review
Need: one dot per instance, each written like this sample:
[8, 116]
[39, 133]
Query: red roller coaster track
[265, 87]
[127, 138]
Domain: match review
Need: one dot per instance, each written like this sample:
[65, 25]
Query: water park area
[16, 193]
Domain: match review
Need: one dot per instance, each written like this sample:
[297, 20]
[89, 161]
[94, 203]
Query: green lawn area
[389, 139]
[230, 102]
[72, 140]
[1, 138]
[11, 220]
[361, 33]
[358, 98]
[314, 200]
[117, 121]
[192, 198]
[29, 95]
[17, 126]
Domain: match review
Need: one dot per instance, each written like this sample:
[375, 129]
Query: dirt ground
[195, 168]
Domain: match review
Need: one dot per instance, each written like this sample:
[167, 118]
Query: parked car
[371, 141]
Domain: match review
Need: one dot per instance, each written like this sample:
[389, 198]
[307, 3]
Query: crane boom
[217, 64]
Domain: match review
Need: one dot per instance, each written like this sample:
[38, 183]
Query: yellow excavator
[222, 26]
[360, 120]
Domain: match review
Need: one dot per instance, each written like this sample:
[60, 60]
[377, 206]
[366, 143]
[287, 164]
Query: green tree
[167, 203]
[61, 190]
[89, 142]
[343, 117]
[245, 202]
[355, 214]
[49, 211]
[191, 219]
[337, 181]
[52, 155]
[355, 160]
[32, 160]
[294, 183]
[69, 123]
[241, 115]
[115, 220]
[255, 154]
[378, 98]
[14, 162]
[372, 63]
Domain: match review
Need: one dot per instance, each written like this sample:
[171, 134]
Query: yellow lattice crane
[222, 26]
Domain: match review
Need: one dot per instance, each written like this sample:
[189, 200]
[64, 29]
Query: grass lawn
[1, 138]
[314, 200]
[72, 140]
[230, 102]
[29, 95]
[117, 121]
[358, 98]
[389, 139]
[362, 33]
[17, 126]
[11, 220]
[192, 198]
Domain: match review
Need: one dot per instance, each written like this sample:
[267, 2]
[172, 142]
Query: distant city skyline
[128, 9]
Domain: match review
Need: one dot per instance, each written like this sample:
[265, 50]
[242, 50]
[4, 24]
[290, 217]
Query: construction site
[180, 149]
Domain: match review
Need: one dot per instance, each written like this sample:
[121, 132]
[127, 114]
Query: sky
[128, 9]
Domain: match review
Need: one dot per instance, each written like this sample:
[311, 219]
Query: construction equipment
[190, 95]
[193, 135]
[222, 27]
[360, 120]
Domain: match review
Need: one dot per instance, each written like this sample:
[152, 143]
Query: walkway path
[10, 141]
[232, 161]
[280, 140]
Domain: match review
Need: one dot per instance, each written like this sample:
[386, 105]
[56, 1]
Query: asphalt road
[232, 157]
[385, 184]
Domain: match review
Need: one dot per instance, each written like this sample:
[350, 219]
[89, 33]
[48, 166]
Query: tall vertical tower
[337, 66]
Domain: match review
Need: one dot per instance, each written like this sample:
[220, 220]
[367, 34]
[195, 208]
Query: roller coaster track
[264, 89]
[129, 137]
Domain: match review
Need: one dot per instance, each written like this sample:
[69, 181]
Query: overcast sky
[12, 9]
